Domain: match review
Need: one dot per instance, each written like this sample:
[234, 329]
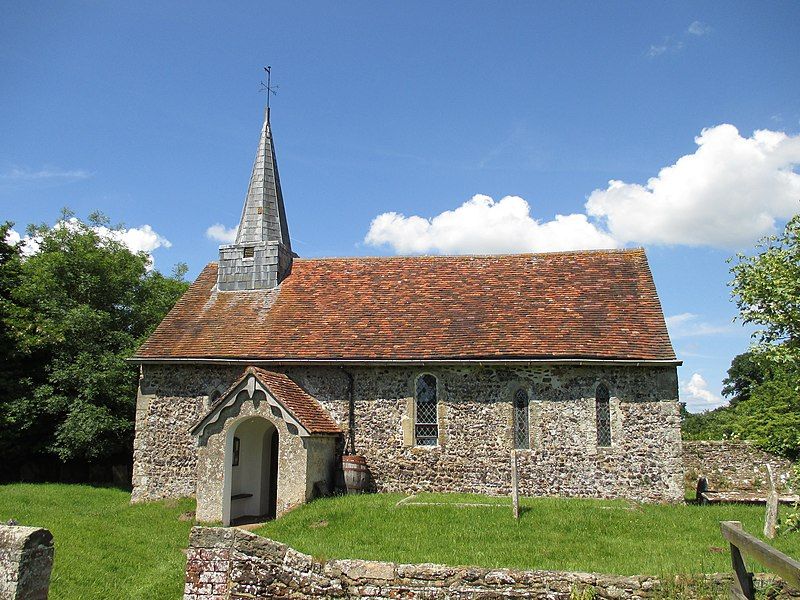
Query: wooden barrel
[355, 473]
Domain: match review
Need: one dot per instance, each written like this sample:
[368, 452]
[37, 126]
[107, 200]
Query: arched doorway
[251, 472]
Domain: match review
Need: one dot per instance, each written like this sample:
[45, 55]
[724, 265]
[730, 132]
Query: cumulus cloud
[697, 395]
[220, 233]
[482, 225]
[728, 193]
[690, 325]
[136, 239]
[698, 28]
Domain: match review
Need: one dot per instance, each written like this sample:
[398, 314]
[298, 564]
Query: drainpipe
[350, 443]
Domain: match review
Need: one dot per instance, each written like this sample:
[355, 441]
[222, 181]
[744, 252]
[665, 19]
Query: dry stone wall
[475, 428]
[232, 564]
[26, 560]
[733, 465]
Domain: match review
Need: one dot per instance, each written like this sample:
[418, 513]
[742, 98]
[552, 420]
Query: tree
[10, 273]
[763, 383]
[766, 289]
[770, 417]
[747, 371]
[82, 305]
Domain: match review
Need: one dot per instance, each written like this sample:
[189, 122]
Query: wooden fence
[743, 543]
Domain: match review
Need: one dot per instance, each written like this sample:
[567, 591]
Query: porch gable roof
[298, 403]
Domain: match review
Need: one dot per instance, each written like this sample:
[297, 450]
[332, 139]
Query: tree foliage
[73, 312]
[763, 384]
[766, 289]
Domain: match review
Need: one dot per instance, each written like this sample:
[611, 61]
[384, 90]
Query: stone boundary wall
[732, 465]
[26, 560]
[233, 564]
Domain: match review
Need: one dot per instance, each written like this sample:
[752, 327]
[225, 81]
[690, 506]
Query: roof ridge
[636, 250]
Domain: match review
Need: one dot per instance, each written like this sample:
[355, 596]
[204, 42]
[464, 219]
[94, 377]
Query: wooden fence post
[742, 587]
[514, 485]
[776, 561]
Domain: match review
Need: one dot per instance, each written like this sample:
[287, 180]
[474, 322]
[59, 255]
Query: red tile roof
[303, 407]
[568, 305]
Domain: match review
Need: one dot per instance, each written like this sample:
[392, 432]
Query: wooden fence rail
[743, 543]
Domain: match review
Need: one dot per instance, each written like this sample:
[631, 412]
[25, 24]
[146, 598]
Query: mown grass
[107, 548]
[575, 535]
[104, 546]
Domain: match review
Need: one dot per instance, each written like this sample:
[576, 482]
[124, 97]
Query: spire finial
[268, 87]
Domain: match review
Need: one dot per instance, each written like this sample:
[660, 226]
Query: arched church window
[521, 425]
[603, 415]
[426, 427]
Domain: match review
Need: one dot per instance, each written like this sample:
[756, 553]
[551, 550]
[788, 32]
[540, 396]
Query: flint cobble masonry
[733, 465]
[26, 560]
[644, 460]
[232, 564]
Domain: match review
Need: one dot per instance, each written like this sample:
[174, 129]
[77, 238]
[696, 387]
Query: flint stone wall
[26, 560]
[228, 564]
[733, 465]
[475, 428]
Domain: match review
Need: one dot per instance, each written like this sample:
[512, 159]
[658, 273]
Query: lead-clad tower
[262, 255]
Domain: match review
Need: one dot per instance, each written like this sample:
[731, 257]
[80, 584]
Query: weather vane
[268, 87]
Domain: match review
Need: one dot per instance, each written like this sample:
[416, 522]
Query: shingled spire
[261, 257]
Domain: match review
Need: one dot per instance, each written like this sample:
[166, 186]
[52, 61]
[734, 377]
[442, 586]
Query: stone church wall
[171, 398]
[475, 428]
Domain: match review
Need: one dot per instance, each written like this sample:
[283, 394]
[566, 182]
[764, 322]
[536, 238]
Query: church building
[271, 367]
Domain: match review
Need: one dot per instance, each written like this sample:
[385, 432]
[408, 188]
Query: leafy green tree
[763, 384]
[766, 288]
[82, 304]
[10, 274]
[770, 417]
[747, 371]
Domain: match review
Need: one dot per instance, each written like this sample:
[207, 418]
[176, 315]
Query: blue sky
[150, 112]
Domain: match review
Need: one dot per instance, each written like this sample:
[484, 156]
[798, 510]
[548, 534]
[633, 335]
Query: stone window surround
[615, 420]
[439, 412]
[512, 389]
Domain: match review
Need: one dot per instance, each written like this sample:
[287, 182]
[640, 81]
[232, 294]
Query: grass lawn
[574, 535]
[105, 548]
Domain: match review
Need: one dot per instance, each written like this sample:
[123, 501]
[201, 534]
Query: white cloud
[668, 45]
[728, 193]
[698, 28]
[12, 237]
[29, 245]
[136, 239]
[484, 226]
[220, 233]
[689, 325]
[697, 395]
[47, 173]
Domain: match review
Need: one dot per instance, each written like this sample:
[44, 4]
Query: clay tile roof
[303, 406]
[567, 305]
